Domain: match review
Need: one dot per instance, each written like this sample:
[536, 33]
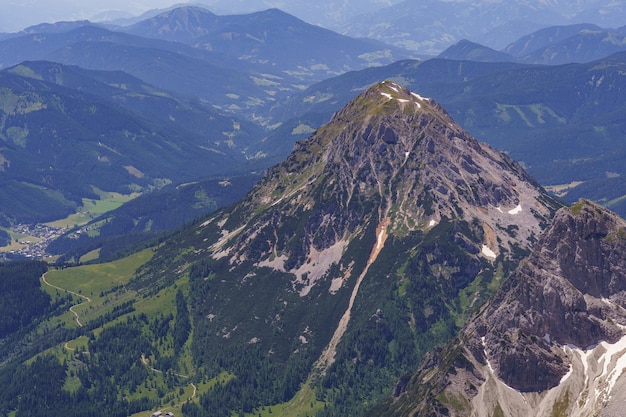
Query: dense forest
[22, 298]
[5, 238]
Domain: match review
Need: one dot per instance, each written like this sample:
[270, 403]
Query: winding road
[85, 298]
[146, 363]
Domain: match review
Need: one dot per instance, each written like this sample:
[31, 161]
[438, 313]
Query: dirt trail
[87, 299]
[328, 355]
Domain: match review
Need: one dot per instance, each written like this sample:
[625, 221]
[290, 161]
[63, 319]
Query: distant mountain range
[552, 46]
[431, 26]
[234, 62]
[426, 27]
[131, 112]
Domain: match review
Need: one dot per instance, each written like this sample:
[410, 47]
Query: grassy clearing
[93, 208]
[72, 383]
[90, 256]
[95, 282]
[190, 392]
[303, 404]
[561, 190]
[162, 302]
[94, 278]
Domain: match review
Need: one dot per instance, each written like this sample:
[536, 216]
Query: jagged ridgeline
[372, 242]
[551, 342]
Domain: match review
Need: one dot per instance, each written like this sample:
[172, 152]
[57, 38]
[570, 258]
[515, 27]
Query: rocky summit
[393, 158]
[373, 241]
[551, 342]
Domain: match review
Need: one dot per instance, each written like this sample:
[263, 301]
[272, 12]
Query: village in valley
[32, 242]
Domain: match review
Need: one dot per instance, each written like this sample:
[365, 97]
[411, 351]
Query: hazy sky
[15, 15]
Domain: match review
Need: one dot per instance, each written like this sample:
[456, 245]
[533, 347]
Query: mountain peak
[389, 90]
[409, 141]
[389, 98]
[181, 24]
[392, 156]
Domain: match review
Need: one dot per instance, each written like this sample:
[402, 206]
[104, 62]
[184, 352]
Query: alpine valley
[257, 216]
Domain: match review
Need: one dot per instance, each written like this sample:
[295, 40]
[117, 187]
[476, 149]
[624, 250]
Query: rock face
[552, 340]
[370, 243]
[389, 154]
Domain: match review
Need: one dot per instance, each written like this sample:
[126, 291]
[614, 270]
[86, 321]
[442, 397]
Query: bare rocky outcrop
[568, 292]
[552, 338]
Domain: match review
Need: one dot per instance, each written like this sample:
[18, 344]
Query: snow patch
[602, 365]
[487, 356]
[488, 252]
[615, 355]
[567, 374]
[516, 210]
[499, 209]
[419, 97]
[387, 95]
[432, 223]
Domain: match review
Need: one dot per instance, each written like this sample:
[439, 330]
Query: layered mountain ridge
[370, 243]
[552, 340]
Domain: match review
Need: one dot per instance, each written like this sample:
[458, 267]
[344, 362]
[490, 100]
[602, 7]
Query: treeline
[111, 248]
[259, 378]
